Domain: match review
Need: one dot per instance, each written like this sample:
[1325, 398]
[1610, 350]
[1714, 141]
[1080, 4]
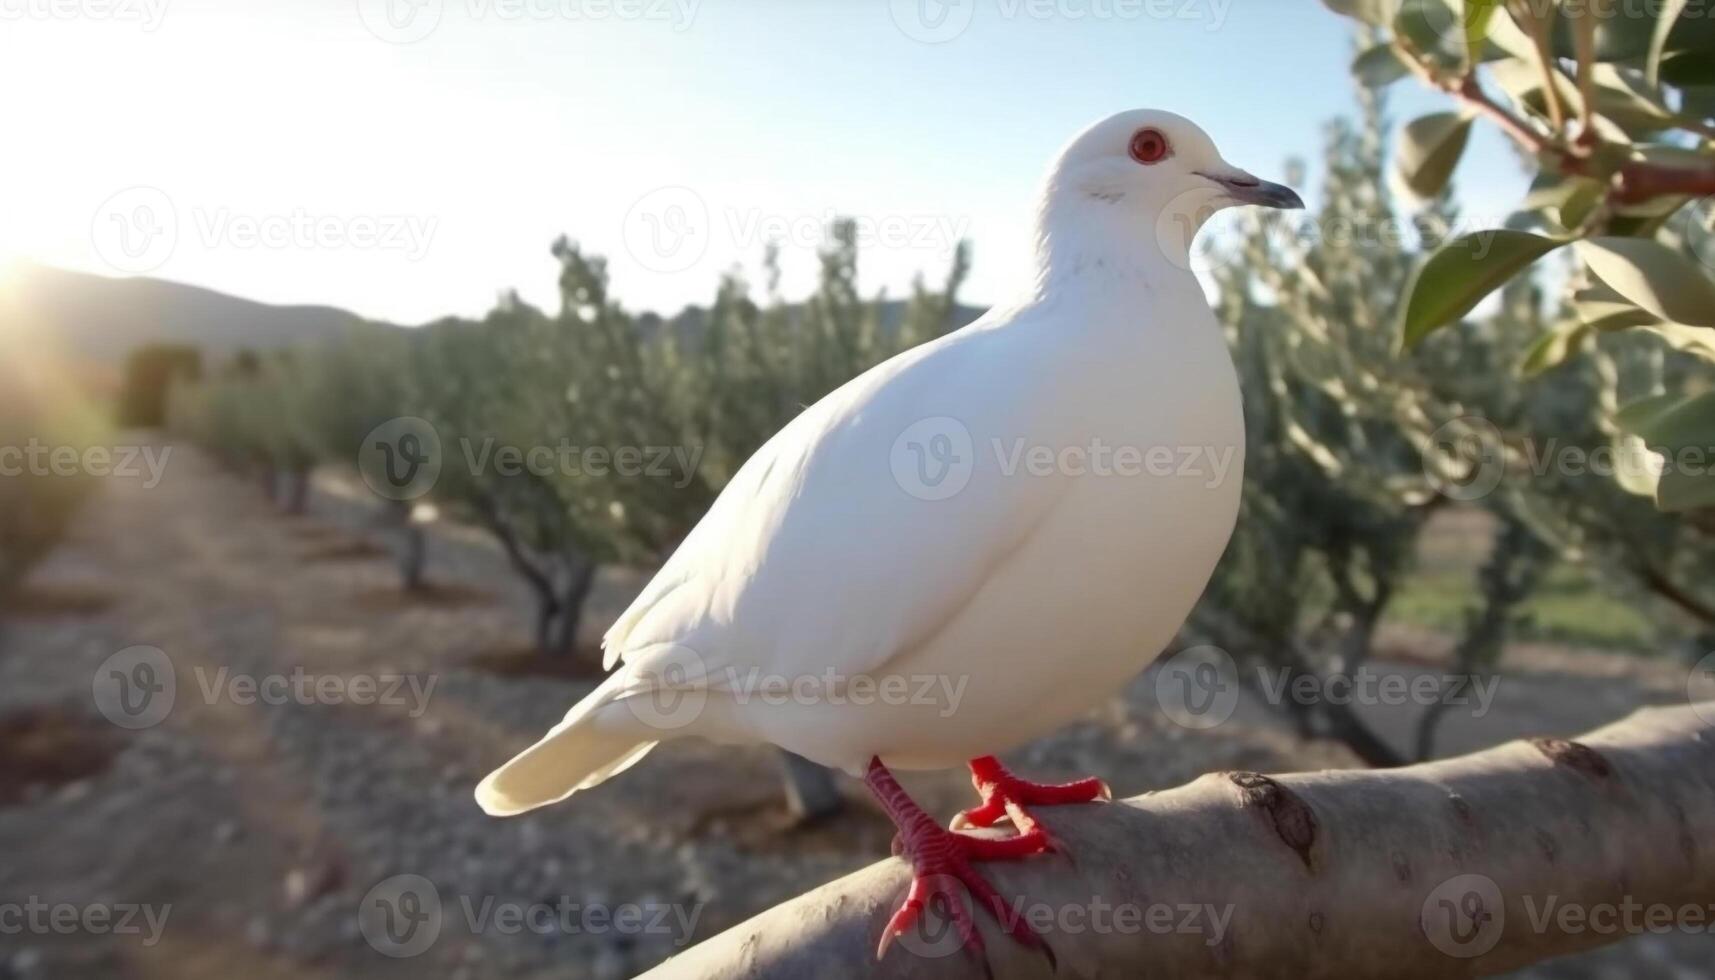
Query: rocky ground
[293, 833]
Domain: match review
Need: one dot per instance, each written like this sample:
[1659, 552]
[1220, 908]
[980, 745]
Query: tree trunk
[811, 790]
[1464, 867]
[413, 556]
[576, 578]
[296, 496]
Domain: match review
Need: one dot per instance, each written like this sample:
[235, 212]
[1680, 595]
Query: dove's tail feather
[570, 758]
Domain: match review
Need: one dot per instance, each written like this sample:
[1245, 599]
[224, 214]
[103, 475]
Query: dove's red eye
[1149, 146]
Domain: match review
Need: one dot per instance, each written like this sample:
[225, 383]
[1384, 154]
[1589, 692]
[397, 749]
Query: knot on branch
[1292, 819]
[1574, 755]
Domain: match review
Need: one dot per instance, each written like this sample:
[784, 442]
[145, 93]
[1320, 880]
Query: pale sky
[409, 159]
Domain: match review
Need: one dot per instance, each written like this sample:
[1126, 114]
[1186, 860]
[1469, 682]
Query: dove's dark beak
[1246, 189]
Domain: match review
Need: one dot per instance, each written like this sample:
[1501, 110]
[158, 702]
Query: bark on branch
[1461, 867]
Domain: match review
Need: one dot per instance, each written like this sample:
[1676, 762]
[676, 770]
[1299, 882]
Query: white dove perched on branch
[967, 546]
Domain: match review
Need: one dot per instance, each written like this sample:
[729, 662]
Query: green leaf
[1429, 150]
[1682, 429]
[1435, 29]
[1698, 341]
[1554, 348]
[1478, 15]
[1622, 95]
[1625, 31]
[1600, 308]
[1670, 11]
[1459, 274]
[1654, 277]
[1376, 13]
[1379, 66]
[1566, 200]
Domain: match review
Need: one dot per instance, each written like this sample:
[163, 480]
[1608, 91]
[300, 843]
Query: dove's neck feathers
[1106, 239]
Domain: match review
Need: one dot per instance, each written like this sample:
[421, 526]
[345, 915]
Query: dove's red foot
[941, 866]
[1006, 795]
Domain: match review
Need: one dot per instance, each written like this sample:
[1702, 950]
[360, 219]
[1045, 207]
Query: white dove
[966, 546]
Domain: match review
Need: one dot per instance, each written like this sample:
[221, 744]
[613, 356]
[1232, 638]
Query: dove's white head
[1135, 188]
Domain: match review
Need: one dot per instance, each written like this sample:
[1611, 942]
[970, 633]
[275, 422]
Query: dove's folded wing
[828, 525]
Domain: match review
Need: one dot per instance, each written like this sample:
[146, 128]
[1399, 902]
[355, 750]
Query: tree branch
[1634, 182]
[1320, 875]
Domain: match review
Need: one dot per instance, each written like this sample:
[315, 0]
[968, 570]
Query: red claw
[1006, 795]
[941, 869]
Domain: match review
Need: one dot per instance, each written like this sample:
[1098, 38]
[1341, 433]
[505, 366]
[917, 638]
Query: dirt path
[270, 831]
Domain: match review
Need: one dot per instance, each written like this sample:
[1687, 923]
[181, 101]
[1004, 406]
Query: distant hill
[95, 318]
[99, 320]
